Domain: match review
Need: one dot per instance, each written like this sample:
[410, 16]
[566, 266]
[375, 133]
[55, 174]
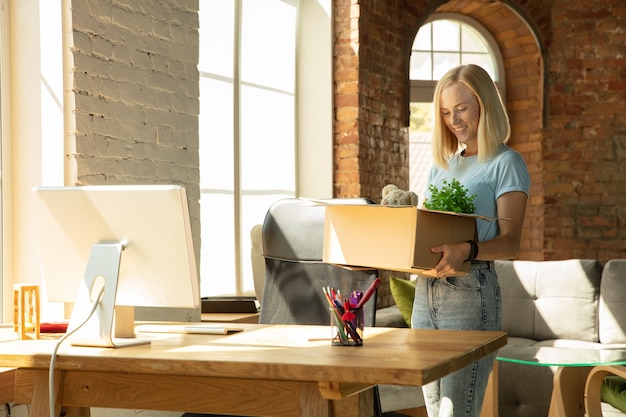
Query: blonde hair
[493, 124]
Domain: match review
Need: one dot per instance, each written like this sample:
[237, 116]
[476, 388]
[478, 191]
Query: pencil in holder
[346, 327]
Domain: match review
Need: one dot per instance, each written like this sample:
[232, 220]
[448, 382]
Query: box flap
[358, 232]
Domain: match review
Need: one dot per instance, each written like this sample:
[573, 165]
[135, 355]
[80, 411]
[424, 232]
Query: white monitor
[136, 239]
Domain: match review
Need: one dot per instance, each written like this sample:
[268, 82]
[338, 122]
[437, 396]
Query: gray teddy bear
[394, 196]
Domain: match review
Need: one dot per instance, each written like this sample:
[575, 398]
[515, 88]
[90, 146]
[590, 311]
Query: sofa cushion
[403, 292]
[550, 299]
[390, 317]
[612, 308]
[613, 391]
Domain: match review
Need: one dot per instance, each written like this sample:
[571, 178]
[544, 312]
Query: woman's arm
[505, 246]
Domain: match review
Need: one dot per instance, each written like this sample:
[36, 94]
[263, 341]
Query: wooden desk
[266, 370]
[7, 385]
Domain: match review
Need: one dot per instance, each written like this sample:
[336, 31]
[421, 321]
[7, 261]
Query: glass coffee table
[576, 383]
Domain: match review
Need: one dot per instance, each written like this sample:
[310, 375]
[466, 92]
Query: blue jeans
[471, 302]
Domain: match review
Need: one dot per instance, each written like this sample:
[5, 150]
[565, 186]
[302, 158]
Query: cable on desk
[53, 357]
[8, 409]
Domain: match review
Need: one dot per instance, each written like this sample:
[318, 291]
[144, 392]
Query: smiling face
[460, 112]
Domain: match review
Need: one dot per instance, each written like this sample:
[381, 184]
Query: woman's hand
[452, 258]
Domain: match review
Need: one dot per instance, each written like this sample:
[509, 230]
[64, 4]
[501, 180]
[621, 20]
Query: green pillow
[613, 391]
[403, 292]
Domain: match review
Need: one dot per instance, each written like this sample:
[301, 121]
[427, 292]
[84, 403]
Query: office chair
[293, 236]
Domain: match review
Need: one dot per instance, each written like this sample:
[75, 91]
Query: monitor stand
[102, 270]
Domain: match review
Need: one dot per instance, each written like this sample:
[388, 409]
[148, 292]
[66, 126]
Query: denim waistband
[489, 265]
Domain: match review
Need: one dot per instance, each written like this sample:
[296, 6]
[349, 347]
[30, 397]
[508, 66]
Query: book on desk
[229, 305]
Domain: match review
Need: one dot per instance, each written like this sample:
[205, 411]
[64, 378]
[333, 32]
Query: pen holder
[346, 329]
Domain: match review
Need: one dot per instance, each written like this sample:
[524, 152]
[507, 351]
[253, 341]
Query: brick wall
[136, 89]
[565, 95]
[371, 118]
[584, 141]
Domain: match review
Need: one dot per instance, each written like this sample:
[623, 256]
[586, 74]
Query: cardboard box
[392, 238]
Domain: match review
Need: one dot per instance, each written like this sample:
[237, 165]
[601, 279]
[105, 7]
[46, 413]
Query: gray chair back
[293, 236]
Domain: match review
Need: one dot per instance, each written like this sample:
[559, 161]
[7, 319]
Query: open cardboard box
[392, 238]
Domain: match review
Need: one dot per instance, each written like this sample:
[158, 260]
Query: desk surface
[389, 355]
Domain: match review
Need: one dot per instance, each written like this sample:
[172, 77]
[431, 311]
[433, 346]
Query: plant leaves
[451, 197]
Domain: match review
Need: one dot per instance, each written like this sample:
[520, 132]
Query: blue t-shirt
[505, 172]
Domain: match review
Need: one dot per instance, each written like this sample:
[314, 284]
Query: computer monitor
[135, 240]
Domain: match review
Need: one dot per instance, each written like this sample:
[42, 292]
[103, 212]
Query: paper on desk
[188, 329]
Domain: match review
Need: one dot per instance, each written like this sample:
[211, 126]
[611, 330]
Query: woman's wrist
[473, 253]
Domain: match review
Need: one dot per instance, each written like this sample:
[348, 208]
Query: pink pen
[368, 293]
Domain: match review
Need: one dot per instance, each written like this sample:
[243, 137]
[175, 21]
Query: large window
[445, 41]
[247, 130]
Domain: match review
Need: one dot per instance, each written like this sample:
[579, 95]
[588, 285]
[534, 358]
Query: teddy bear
[394, 196]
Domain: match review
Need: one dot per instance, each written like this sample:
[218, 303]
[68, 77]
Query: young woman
[470, 132]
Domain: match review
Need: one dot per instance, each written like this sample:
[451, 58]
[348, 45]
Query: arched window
[443, 42]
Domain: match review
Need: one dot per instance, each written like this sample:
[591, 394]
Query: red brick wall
[371, 147]
[584, 143]
[565, 95]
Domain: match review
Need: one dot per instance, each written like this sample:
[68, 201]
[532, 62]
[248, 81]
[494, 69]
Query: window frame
[422, 91]
[313, 117]
[5, 94]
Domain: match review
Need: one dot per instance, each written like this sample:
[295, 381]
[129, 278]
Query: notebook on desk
[229, 305]
[188, 328]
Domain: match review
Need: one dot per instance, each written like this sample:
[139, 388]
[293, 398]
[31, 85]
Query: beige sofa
[577, 303]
